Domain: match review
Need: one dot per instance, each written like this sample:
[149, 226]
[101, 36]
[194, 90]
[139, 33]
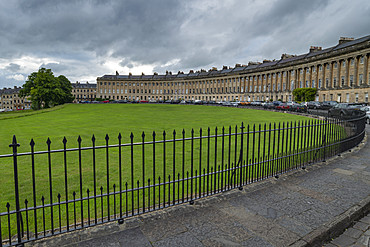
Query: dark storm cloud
[90, 38]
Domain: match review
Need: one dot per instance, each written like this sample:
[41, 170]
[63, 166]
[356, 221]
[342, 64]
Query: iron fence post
[15, 145]
[241, 156]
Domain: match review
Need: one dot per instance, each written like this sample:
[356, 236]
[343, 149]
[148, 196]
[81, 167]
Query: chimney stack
[345, 40]
[315, 48]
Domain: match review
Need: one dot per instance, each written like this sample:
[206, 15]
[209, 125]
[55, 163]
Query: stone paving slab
[302, 208]
[357, 235]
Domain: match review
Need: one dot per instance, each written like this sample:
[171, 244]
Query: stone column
[339, 82]
[324, 75]
[296, 78]
[365, 75]
[346, 78]
[317, 76]
[330, 74]
[355, 71]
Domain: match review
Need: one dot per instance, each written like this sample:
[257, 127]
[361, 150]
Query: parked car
[298, 107]
[256, 103]
[345, 110]
[326, 105]
[276, 103]
[313, 105]
[144, 101]
[122, 101]
[283, 106]
[269, 105]
[198, 102]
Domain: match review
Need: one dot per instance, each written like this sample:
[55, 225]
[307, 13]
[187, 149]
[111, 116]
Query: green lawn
[101, 119]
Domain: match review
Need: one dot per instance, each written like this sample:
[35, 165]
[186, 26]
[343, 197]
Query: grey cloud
[13, 67]
[56, 67]
[83, 35]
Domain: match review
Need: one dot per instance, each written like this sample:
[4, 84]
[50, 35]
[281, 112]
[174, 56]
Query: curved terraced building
[340, 73]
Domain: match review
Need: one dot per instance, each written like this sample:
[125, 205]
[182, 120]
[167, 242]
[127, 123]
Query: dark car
[298, 108]
[345, 111]
[283, 107]
[313, 105]
[326, 105]
[122, 101]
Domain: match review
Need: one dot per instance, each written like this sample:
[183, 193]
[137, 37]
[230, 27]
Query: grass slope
[101, 119]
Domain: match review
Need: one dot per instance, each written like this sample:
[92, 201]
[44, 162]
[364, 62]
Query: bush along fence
[55, 191]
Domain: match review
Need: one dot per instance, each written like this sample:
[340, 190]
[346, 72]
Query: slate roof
[83, 85]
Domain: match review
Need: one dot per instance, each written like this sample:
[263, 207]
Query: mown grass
[72, 121]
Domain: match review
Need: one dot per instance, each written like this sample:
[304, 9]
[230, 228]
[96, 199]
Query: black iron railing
[61, 190]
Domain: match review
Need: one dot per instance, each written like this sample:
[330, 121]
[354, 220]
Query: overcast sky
[87, 39]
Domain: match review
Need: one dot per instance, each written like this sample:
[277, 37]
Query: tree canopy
[304, 94]
[46, 90]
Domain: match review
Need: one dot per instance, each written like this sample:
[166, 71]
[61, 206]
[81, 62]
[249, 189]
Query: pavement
[308, 207]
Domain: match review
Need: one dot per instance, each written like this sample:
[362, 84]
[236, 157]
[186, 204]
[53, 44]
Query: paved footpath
[304, 208]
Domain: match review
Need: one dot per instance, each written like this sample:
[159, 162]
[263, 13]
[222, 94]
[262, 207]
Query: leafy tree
[304, 94]
[46, 90]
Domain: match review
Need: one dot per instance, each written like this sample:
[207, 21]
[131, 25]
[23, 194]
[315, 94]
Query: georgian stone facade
[10, 100]
[83, 91]
[341, 73]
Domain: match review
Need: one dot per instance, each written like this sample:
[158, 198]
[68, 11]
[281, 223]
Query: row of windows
[80, 96]
[15, 101]
[84, 90]
[8, 96]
